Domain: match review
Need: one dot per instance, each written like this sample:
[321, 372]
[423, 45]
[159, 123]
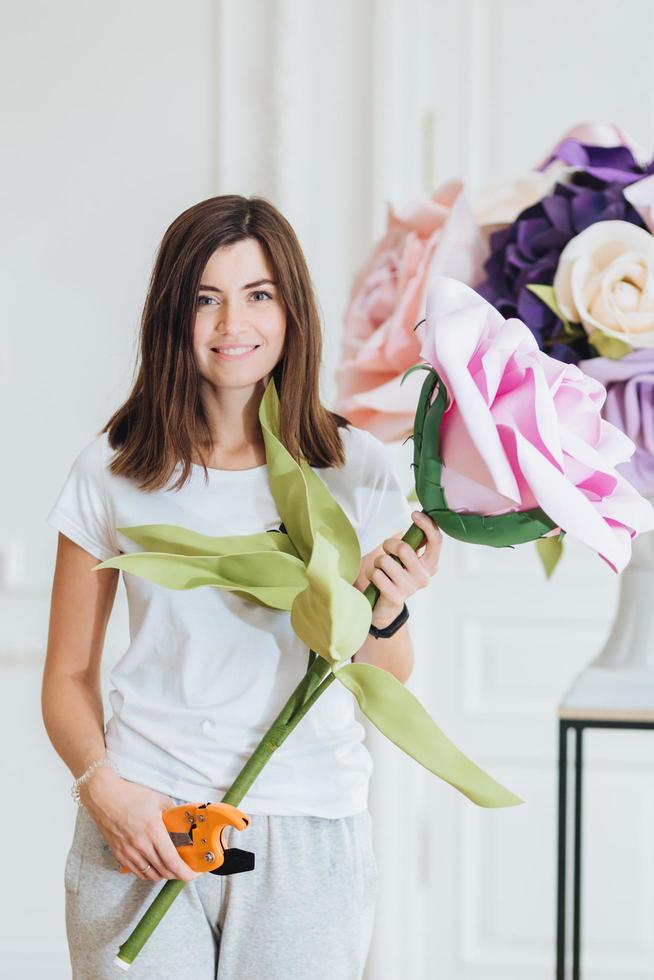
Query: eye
[212, 299]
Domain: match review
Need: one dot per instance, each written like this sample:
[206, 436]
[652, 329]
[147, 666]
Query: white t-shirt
[207, 671]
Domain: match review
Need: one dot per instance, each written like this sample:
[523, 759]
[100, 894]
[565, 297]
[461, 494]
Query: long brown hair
[163, 422]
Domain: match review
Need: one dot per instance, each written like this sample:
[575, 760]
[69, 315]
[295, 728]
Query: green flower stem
[304, 695]
[314, 683]
[280, 729]
[149, 921]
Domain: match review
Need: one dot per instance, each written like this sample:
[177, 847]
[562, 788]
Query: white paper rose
[605, 281]
[499, 202]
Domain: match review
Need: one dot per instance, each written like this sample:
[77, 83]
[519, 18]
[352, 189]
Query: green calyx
[498, 531]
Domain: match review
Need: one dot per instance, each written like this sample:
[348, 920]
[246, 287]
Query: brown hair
[163, 420]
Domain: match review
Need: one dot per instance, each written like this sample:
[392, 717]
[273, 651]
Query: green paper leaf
[400, 716]
[547, 296]
[302, 498]
[171, 539]
[416, 367]
[331, 616]
[329, 520]
[607, 346]
[271, 578]
[550, 551]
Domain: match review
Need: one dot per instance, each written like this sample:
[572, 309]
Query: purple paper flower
[528, 251]
[629, 405]
[604, 164]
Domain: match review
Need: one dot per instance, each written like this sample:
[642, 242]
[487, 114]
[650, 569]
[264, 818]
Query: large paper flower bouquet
[577, 265]
[568, 249]
[513, 436]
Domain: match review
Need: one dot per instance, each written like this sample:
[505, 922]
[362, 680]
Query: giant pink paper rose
[387, 300]
[524, 430]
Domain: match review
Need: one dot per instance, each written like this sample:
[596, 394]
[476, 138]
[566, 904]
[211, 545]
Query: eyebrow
[248, 285]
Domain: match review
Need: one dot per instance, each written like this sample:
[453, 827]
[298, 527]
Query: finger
[413, 563]
[427, 525]
[146, 857]
[136, 862]
[404, 581]
[434, 539]
[157, 868]
[174, 865]
[416, 516]
[423, 520]
[166, 863]
[150, 863]
[387, 588]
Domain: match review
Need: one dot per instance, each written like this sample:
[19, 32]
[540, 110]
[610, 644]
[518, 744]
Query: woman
[230, 304]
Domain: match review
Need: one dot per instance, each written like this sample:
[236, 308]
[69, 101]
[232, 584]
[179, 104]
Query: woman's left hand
[397, 582]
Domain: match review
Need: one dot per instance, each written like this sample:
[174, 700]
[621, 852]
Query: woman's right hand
[129, 817]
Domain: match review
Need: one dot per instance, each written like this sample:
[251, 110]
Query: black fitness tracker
[393, 627]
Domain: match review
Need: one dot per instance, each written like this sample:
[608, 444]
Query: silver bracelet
[74, 789]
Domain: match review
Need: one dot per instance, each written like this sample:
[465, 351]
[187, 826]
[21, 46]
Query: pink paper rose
[387, 300]
[524, 430]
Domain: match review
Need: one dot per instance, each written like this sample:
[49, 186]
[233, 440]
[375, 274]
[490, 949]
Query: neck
[233, 418]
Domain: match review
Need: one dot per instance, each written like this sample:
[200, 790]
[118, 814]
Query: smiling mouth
[235, 353]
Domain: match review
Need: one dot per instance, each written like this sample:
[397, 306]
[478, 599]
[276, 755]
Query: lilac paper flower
[629, 405]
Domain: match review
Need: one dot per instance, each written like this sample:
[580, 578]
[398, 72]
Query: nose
[232, 314]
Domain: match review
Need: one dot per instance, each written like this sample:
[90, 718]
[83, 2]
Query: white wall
[481, 89]
[108, 132]
[116, 118]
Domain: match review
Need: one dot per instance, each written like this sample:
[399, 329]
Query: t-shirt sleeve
[81, 511]
[385, 509]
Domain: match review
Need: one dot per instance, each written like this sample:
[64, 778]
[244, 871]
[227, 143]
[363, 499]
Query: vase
[621, 677]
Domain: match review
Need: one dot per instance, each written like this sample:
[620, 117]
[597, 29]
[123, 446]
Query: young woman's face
[238, 306]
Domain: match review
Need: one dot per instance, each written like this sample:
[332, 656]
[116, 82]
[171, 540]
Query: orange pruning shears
[197, 829]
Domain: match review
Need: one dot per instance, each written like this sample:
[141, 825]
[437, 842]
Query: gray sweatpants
[304, 913]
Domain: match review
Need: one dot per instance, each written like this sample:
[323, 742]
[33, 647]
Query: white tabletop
[604, 714]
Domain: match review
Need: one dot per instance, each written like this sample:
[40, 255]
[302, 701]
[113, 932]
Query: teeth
[235, 350]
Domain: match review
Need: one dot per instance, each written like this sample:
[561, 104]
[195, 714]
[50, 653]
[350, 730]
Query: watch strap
[387, 631]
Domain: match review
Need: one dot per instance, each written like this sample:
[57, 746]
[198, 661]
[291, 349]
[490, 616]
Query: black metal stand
[577, 724]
